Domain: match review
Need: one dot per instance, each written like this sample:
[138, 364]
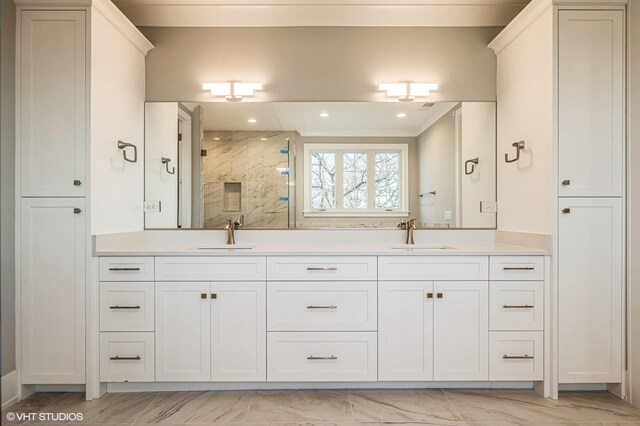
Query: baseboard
[9, 389]
[207, 386]
[567, 387]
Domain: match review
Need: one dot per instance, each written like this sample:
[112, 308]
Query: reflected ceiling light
[407, 91]
[232, 90]
[252, 120]
[324, 114]
[216, 139]
[401, 115]
[263, 139]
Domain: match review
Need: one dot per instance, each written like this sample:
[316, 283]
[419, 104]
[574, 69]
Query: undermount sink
[229, 247]
[422, 247]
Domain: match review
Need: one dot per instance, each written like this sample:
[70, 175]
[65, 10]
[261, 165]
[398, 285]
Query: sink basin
[228, 247]
[422, 247]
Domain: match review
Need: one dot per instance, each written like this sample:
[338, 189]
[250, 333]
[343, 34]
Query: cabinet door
[405, 330]
[461, 330]
[183, 332]
[590, 102]
[590, 290]
[52, 100]
[238, 331]
[52, 259]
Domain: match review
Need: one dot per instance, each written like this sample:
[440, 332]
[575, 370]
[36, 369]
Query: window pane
[323, 180]
[387, 180]
[355, 180]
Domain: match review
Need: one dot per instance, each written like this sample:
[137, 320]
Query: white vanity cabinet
[80, 68]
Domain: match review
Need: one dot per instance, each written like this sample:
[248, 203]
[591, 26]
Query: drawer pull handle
[322, 269]
[322, 307]
[125, 358]
[518, 268]
[517, 357]
[315, 358]
[124, 307]
[517, 306]
[124, 269]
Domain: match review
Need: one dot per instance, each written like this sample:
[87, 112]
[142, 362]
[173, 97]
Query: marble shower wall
[244, 158]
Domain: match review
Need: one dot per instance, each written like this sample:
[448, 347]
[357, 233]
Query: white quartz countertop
[317, 249]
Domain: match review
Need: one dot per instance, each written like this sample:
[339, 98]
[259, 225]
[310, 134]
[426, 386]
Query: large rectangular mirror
[314, 165]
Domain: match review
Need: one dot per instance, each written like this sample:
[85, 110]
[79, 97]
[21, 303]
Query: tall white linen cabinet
[561, 90]
[80, 88]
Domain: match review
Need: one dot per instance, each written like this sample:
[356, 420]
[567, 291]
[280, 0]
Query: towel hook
[166, 161]
[519, 146]
[473, 162]
[123, 145]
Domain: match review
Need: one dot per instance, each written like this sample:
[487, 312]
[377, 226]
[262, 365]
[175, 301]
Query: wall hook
[519, 146]
[473, 162]
[166, 161]
[123, 146]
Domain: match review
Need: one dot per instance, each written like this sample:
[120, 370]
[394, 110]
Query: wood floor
[436, 407]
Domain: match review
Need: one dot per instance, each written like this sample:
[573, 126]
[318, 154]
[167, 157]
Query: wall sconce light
[232, 90]
[407, 91]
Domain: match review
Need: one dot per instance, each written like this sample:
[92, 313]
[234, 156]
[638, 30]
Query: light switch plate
[448, 215]
[152, 206]
[489, 206]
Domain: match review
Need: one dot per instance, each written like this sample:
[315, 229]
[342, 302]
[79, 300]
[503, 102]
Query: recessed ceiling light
[263, 139]
[216, 139]
[324, 114]
[252, 120]
[401, 115]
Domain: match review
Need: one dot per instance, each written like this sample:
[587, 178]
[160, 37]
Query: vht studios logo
[44, 417]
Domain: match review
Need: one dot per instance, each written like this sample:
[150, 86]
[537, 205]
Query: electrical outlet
[448, 215]
[151, 206]
[488, 206]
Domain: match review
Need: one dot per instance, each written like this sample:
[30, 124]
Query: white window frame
[371, 149]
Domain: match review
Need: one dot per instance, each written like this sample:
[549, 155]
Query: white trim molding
[9, 389]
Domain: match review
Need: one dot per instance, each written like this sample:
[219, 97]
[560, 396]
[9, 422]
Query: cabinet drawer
[237, 268]
[126, 269]
[516, 305]
[321, 268]
[322, 306]
[126, 306]
[517, 268]
[321, 357]
[442, 268]
[127, 357]
[516, 355]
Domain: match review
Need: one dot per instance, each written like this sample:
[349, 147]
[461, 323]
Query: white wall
[161, 140]
[117, 111]
[478, 141]
[437, 172]
[633, 192]
[320, 63]
[525, 76]
[7, 189]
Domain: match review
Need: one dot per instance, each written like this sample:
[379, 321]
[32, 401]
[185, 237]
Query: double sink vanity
[324, 312]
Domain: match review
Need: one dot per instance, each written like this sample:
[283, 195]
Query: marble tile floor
[334, 408]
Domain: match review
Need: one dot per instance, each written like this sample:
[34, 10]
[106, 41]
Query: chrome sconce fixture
[233, 91]
[407, 91]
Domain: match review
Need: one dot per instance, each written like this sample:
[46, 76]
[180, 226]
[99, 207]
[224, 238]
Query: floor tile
[300, 406]
[423, 406]
[197, 408]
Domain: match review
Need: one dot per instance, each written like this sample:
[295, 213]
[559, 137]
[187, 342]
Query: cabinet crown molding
[534, 11]
[105, 7]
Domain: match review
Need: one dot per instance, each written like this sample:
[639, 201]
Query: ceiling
[345, 118]
[296, 13]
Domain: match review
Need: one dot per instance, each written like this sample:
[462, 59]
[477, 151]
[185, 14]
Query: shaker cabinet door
[405, 330]
[183, 332]
[238, 332]
[52, 267]
[590, 103]
[590, 290]
[461, 330]
[52, 103]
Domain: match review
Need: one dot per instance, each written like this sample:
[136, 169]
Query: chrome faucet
[410, 227]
